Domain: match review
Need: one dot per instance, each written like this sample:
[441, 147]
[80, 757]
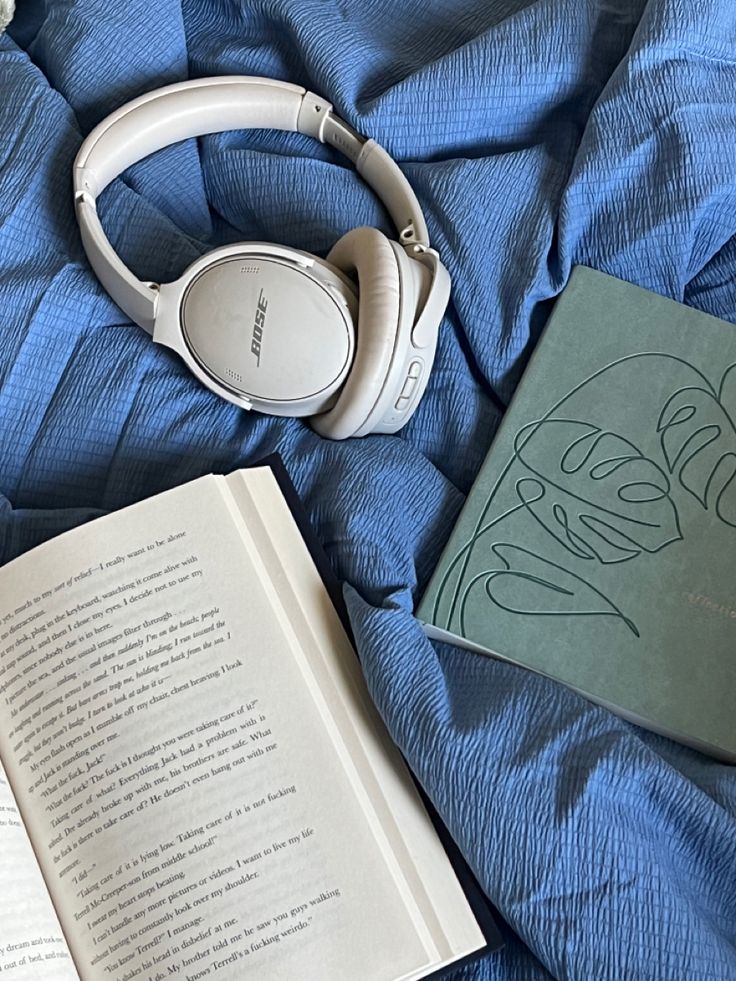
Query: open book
[196, 784]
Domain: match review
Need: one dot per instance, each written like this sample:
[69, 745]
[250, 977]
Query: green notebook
[598, 543]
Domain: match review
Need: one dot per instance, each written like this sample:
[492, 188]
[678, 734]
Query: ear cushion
[367, 253]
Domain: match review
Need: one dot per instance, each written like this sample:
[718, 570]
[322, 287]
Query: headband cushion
[366, 253]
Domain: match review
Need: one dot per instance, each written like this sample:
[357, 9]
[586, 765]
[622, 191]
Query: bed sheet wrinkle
[183, 201]
[164, 458]
[22, 289]
[538, 135]
[28, 178]
[43, 350]
[21, 529]
[313, 209]
[80, 46]
[80, 420]
[162, 257]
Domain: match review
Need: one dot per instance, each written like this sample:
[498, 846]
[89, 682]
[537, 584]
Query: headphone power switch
[408, 388]
[413, 376]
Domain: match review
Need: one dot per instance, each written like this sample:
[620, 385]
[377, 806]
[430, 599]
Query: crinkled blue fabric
[537, 135]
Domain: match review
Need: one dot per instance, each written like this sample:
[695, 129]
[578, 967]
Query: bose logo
[258, 325]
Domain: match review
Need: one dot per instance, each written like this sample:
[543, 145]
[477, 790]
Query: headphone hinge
[412, 246]
[313, 115]
[85, 184]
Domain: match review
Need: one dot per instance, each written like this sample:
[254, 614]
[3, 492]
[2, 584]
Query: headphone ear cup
[367, 253]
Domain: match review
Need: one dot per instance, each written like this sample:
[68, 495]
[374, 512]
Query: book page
[421, 866]
[184, 797]
[32, 947]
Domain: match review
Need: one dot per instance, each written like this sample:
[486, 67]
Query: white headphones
[266, 326]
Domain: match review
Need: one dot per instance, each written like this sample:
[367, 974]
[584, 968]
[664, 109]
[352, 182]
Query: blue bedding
[537, 135]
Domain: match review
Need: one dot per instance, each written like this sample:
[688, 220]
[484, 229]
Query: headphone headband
[210, 105]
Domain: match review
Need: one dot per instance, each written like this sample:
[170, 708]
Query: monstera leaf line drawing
[610, 502]
[698, 441]
[601, 499]
[534, 586]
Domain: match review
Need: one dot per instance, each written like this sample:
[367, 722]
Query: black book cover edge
[477, 900]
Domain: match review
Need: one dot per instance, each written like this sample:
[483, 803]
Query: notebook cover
[598, 543]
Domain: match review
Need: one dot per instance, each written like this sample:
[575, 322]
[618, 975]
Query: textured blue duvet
[537, 135]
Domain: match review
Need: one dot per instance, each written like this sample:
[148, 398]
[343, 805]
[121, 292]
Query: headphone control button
[412, 377]
[401, 403]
